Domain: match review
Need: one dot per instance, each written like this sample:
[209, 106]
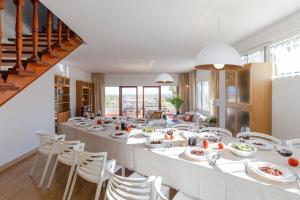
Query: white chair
[181, 196]
[295, 142]
[182, 126]
[122, 188]
[68, 156]
[47, 147]
[216, 129]
[258, 135]
[92, 167]
[165, 190]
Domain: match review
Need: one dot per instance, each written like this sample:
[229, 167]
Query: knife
[298, 180]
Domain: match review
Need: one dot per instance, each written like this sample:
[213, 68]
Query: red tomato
[166, 137]
[221, 146]
[205, 144]
[293, 162]
[117, 127]
[172, 137]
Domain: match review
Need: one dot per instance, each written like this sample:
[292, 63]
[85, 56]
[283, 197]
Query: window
[135, 100]
[203, 95]
[254, 56]
[285, 57]
[168, 92]
[112, 101]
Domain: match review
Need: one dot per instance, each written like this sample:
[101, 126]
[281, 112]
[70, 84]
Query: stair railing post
[59, 30]
[67, 38]
[49, 32]
[19, 35]
[1, 9]
[35, 28]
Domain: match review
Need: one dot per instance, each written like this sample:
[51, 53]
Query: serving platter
[197, 153]
[242, 149]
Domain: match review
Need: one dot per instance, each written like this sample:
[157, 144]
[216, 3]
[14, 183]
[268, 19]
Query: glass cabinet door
[230, 87]
[243, 86]
[243, 119]
[231, 120]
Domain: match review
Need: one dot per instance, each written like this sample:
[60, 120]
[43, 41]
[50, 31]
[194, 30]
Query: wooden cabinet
[249, 98]
[84, 96]
[62, 99]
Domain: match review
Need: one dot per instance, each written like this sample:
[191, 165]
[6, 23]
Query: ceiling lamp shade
[164, 78]
[220, 56]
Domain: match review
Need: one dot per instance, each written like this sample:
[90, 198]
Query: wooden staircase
[26, 57]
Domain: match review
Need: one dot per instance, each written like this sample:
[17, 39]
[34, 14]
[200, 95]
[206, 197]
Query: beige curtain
[214, 92]
[99, 91]
[187, 91]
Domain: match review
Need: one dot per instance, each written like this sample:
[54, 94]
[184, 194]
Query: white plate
[242, 153]
[265, 145]
[287, 175]
[188, 153]
[96, 128]
[83, 124]
[208, 135]
[77, 119]
[154, 146]
[124, 135]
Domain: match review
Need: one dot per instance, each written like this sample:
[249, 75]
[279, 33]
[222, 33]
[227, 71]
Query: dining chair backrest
[91, 166]
[182, 126]
[122, 188]
[295, 142]
[255, 135]
[216, 129]
[67, 151]
[47, 141]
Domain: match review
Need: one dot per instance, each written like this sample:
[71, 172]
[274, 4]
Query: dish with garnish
[272, 171]
[260, 144]
[148, 131]
[155, 143]
[120, 134]
[96, 128]
[83, 124]
[197, 153]
[212, 137]
[242, 149]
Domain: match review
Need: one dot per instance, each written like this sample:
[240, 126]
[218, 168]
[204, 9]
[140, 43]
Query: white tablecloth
[226, 181]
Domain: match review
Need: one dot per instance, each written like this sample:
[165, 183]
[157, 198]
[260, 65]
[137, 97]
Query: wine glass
[285, 149]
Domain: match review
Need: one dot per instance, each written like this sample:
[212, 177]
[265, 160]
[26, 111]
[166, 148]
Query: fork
[298, 180]
[246, 166]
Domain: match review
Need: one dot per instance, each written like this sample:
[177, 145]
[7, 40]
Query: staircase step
[12, 47]
[30, 39]
[12, 54]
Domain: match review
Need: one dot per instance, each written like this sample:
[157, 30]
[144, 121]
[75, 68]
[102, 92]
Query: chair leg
[45, 170]
[34, 163]
[69, 181]
[98, 191]
[52, 173]
[72, 186]
[123, 171]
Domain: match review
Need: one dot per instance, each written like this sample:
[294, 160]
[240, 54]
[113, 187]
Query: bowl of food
[197, 153]
[148, 131]
[242, 149]
[155, 143]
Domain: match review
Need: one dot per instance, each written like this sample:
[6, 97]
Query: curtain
[214, 92]
[99, 91]
[187, 90]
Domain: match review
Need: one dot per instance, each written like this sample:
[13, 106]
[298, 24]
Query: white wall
[286, 97]
[286, 107]
[134, 79]
[31, 110]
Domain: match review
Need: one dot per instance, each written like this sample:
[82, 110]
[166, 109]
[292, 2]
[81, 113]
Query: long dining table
[227, 180]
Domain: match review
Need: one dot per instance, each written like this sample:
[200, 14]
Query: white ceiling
[153, 36]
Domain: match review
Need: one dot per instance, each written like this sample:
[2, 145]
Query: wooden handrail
[19, 43]
[35, 29]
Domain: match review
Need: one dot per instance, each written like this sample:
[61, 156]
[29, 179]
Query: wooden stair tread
[41, 39]
[13, 55]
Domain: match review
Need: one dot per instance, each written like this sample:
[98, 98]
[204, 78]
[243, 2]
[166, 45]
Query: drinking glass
[285, 149]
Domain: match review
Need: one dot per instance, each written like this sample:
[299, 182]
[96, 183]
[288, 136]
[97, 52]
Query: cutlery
[218, 156]
[212, 160]
[246, 166]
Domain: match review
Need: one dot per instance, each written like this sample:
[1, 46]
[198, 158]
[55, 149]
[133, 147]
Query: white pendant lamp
[164, 78]
[218, 54]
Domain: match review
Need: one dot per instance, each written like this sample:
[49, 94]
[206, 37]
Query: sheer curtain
[187, 91]
[99, 91]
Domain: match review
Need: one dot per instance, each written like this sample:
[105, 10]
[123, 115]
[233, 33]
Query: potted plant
[176, 101]
[212, 121]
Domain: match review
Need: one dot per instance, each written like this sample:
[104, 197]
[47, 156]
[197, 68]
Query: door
[151, 98]
[129, 101]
